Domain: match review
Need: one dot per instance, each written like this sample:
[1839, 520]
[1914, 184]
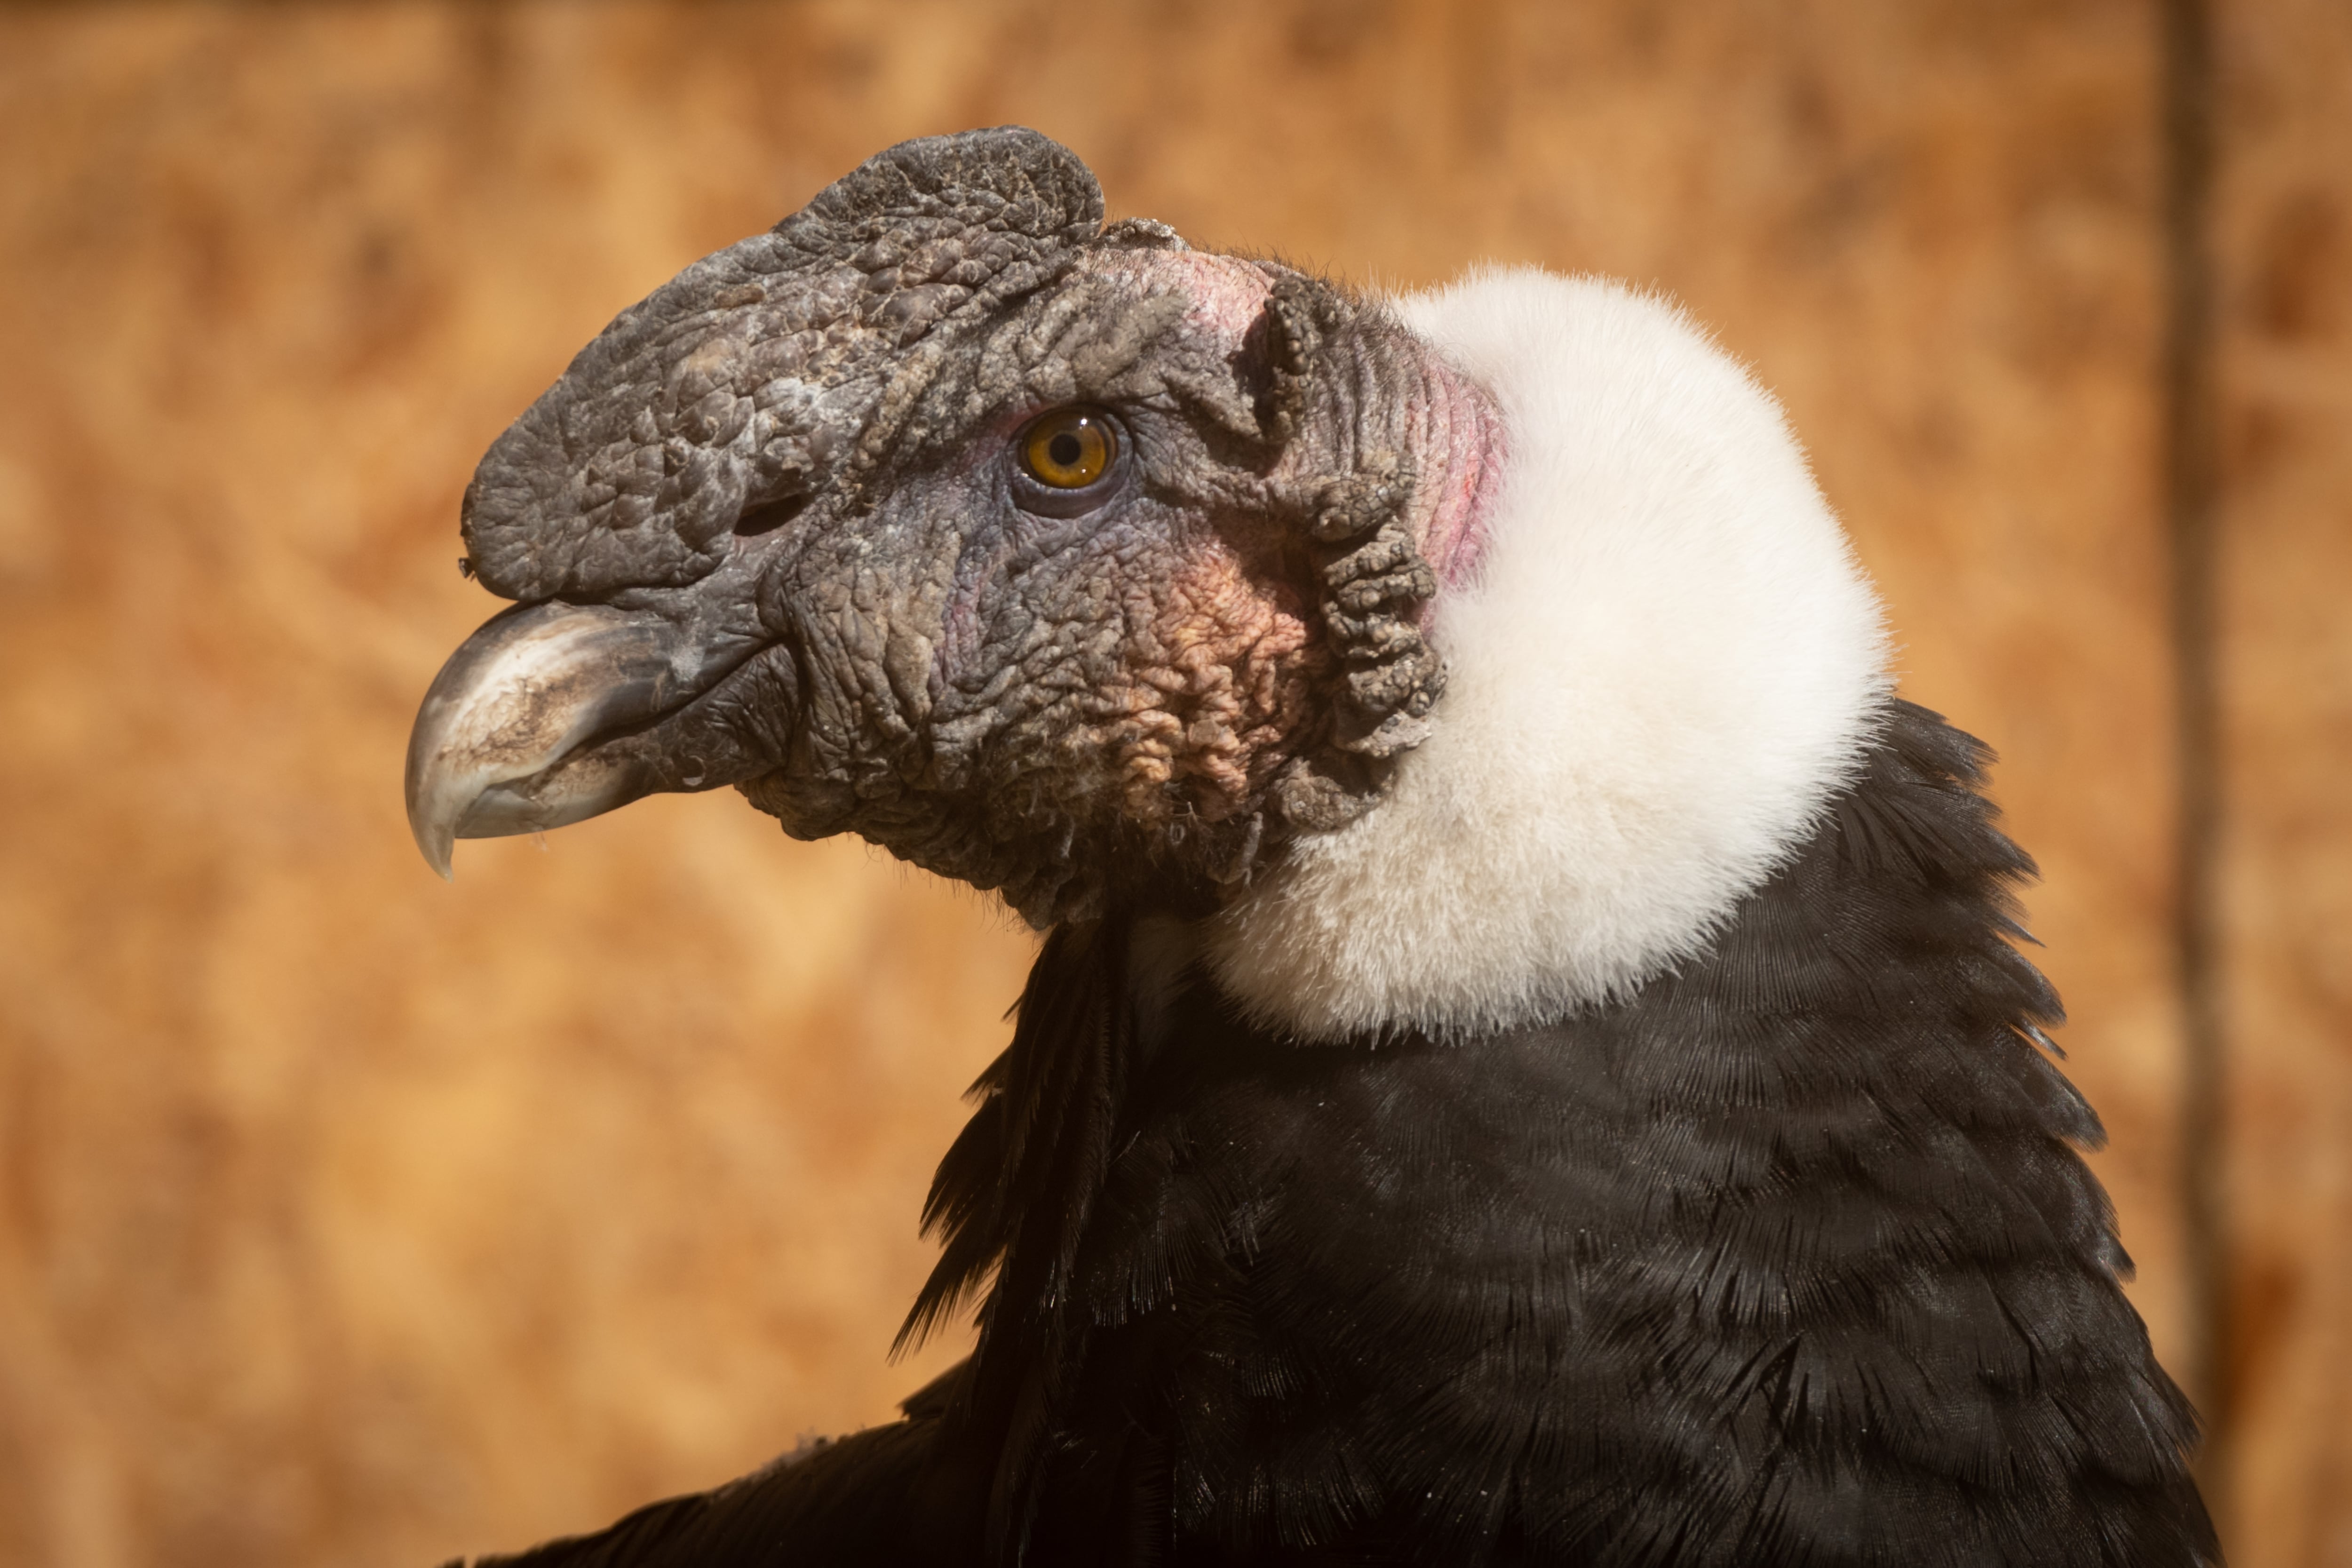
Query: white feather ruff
[1667, 663]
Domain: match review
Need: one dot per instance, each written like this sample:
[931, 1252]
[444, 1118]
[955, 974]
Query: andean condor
[1527, 1063]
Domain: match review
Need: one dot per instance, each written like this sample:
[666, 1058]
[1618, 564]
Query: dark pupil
[1065, 450]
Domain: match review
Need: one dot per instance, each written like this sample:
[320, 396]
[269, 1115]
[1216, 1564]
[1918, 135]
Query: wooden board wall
[347, 1216]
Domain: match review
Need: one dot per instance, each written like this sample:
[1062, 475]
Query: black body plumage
[1785, 1258]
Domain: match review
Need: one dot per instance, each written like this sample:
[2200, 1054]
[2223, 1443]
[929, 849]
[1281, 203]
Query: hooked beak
[552, 714]
[518, 698]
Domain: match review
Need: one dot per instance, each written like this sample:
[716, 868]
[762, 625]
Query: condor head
[1061, 559]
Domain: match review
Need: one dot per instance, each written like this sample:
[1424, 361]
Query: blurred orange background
[347, 1216]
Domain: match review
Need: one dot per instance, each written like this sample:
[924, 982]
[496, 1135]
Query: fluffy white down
[1667, 663]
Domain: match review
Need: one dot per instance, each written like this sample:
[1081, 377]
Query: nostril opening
[765, 519]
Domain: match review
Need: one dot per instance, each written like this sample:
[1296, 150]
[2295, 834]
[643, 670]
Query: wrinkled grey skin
[771, 529]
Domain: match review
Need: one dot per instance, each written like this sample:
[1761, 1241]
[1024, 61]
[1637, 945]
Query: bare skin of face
[823, 534]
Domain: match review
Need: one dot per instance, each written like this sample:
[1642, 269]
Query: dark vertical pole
[2191, 498]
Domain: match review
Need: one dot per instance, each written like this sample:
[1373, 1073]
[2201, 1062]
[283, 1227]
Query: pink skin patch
[1218, 676]
[1459, 438]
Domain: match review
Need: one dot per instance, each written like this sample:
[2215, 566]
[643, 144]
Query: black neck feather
[1787, 1258]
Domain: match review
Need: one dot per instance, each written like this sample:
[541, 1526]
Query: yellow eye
[1068, 448]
